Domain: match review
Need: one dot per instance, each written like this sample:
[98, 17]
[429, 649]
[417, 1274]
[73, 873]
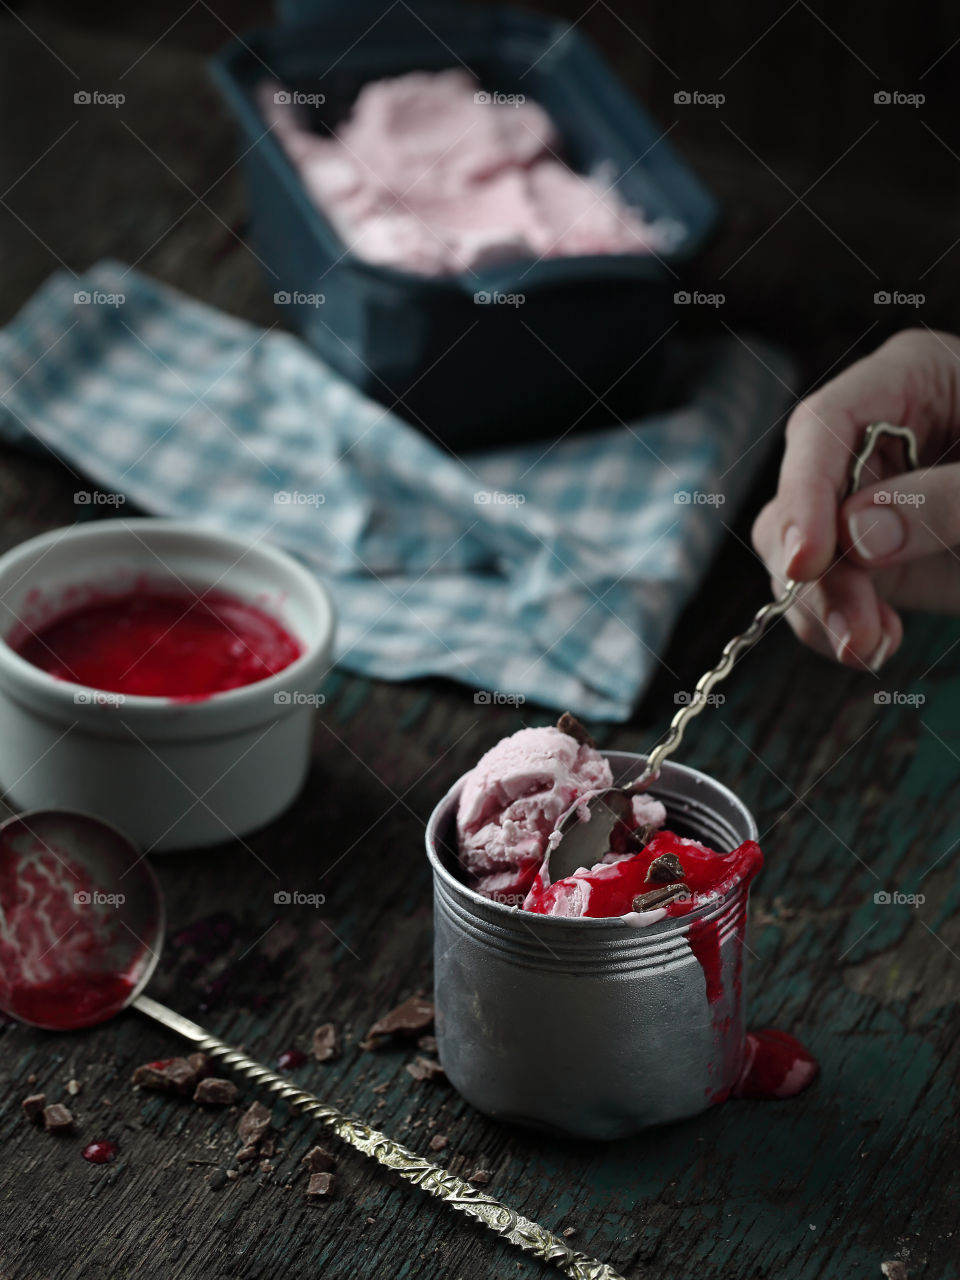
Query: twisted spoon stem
[436, 1181]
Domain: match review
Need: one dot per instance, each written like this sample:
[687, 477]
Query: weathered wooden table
[854, 797]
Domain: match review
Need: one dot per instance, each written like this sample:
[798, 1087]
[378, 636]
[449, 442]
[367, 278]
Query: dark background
[829, 197]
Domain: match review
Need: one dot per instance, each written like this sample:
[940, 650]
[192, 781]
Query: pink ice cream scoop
[514, 798]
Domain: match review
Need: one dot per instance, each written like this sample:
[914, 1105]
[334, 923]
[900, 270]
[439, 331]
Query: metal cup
[590, 1028]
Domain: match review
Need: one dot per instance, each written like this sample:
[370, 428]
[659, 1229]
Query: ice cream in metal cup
[589, 1027]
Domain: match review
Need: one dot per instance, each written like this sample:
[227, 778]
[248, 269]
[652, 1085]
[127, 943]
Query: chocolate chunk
[319, 1186]
[175, 1075]
[659, 897]
[572, 727]
[412, 1018]
[254, 1123]
[480, 1177]
[319, 1161]
[33, 1106]
[201, 1064]
[894, 1269]
[438, 1142]
[428, 1044]
[57, 1118]
[425, 1069]
[216, 1092]
[326, 1043]
[665, 869]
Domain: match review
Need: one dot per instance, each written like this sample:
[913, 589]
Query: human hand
[898, 550]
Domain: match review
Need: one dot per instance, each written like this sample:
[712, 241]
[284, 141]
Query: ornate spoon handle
[763, 617]
[454, 1191]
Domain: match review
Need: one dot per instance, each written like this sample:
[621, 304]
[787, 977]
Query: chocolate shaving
[665, 869]
[412, 1018]
[572, 727]
[57, 1118]
[318, 1160]
[216, 1092]
[425, 1069]
[659, 897]
[254, 1123]
[319, 1186]
[33, 1106]
[326, 1043]
[175, 1076]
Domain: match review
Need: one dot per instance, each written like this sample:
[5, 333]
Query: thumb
[904, 518]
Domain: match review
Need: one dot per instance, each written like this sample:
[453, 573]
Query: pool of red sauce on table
[774, 1063]
[160, 643]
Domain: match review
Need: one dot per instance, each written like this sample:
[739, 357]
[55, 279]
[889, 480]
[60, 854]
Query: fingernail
[880, 654]
[792, 542]
[876, 533]
[839, 633]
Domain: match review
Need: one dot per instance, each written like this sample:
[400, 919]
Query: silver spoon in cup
[582, 836]
[81, 928]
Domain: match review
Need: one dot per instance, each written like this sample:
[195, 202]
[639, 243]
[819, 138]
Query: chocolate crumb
[319, 1186]
[894, 1269]
[254, 1123]
[380, 1088]
[233, 1174]
[57, 1118]
[480, 1177]
[266, 1166]
[569, 1231]
[371, 1221]
[425, 1069]
[438, 1142]
[201, 1064]
[174, 1076]
[216, 1092]
[33, 1106]
[428, 1044]
[665, 869]
[659, 897]
[572, 727]
[326, 1043]
[31, 1078]
[319, 1161]
[217, 1180]
[412, 1018]
[246, 1153]
[73, 1087]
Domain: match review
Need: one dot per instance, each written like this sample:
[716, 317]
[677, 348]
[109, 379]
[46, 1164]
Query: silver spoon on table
[581, 841]
[104, 923]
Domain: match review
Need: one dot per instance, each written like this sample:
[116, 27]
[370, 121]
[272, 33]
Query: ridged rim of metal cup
[625, 764]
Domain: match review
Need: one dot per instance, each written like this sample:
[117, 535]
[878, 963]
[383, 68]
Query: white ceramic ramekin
[171, 775]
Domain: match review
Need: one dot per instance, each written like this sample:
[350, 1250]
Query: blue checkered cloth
[551, 571]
